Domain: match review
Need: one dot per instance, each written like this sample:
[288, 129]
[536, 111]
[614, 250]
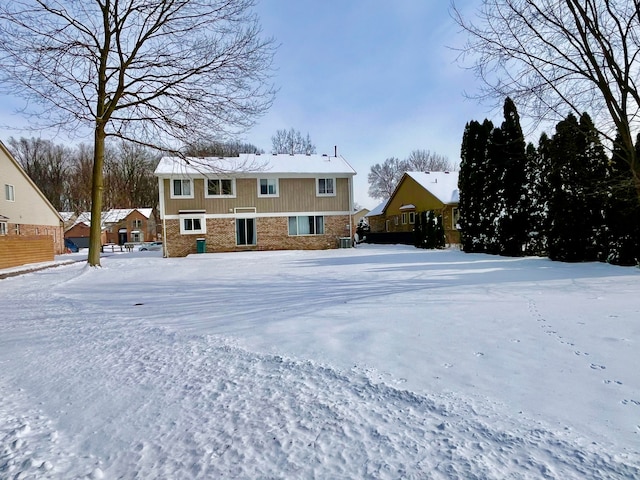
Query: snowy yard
[377, 362]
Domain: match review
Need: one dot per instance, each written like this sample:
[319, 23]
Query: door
[245, 231]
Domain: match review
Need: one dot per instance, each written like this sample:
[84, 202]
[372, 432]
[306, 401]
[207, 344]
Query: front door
[245, 231]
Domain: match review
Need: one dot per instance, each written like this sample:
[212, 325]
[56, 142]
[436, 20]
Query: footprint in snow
[616, 382]
[597, 367]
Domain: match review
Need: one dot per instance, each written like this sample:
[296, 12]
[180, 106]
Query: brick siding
[272, 234]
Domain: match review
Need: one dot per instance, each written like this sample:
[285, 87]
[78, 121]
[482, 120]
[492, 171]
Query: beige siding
[29, 206]
[295, 195]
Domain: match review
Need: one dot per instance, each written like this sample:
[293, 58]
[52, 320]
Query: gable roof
[115, 215]
[442, 185]
[17, 165]
[251, 164]
[378, 209]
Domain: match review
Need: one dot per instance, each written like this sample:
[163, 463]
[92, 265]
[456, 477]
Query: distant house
[118, 226]
[31, 230]
[415, 193]
[255, 202]
[375, 218]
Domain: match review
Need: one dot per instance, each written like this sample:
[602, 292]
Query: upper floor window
[137, 223]
[9, 193]
[3, 228]
[182, 188]
[268, 187]
[219, 187]
[326, 186]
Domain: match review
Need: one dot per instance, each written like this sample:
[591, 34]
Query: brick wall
[272, 234]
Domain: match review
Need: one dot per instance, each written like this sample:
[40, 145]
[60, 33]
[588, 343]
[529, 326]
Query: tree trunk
[95, 233]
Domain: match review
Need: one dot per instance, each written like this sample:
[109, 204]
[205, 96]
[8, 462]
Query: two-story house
[255, 202]
[118, 226]
[31, 230]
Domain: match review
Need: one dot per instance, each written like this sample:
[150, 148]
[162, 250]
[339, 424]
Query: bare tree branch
[561, 56]
[159, 73]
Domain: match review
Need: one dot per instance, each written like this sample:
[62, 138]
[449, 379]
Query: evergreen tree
[418, 230]
[433, 230]
[622, 211]
[578, 169]
[593, 169]
[492, 207]
[563, 208]
[510, 163]
[471, 180]
[538, 192]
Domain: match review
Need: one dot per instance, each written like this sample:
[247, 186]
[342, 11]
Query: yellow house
[420, 192]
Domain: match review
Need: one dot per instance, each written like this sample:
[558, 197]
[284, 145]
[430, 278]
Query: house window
[268, 187]
[245, 231]
[412, 218]
[3, 228]
[306, 225]
[182, 189]
[395, 219]
[9, 193]
[404, 218]
[219, 187]
[17, 229]
[455, 217]
[325, 187]
[192, 224]
[136, 224]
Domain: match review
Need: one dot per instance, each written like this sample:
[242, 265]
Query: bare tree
[560, 56]
[426, 161]
[80, 180]
[291, 141]
[213, 148]
[129, 179]
[47, 164]
[384, 177]
[150, 72]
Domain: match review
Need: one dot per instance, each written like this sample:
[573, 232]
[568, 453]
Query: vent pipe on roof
[335, 150]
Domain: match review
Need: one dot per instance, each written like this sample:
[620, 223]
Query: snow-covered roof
[442, 185]
[377, 210]
[115, 215]
[251, 164]
[66, 216]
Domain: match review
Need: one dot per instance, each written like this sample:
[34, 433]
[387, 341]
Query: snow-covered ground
[374, 362]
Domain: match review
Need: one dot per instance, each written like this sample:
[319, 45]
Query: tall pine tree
[512, 203]
[578, 169]
[471, 181]
[622, 211]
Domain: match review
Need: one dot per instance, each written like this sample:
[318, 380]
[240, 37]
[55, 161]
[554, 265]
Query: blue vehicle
[70, 246]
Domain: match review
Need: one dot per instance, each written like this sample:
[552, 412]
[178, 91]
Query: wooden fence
[16, 250]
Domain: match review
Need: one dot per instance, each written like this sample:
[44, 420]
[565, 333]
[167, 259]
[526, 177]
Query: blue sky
[375, 78]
